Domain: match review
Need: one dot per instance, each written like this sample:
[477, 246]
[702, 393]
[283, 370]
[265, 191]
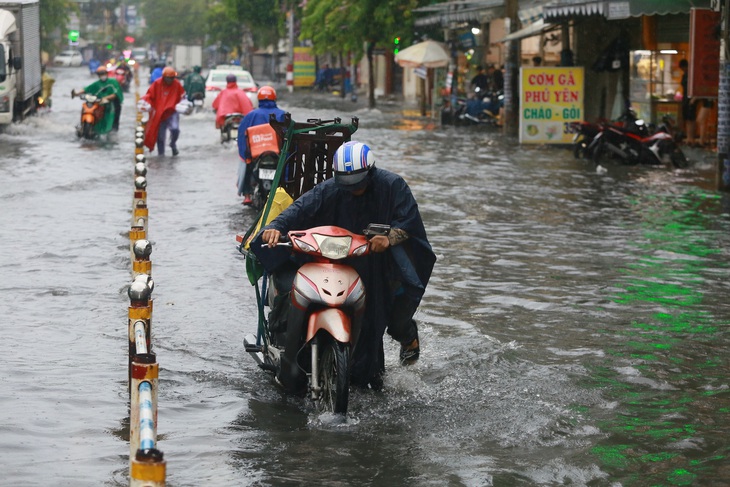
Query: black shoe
[175, 151]
[409, 352]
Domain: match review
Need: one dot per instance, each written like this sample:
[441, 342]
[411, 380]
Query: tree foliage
[340, 26]
[175, 21]
[264, 19]
[346, 25]
[53, 13]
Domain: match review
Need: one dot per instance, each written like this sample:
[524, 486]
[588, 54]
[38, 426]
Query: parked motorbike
[264, 148]
[632, 143]
[92, 112]
[317, 325]
[229, 129]
[584, 133]
[481, 108]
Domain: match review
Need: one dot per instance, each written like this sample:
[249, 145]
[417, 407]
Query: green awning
[620, 9]
[638, 8]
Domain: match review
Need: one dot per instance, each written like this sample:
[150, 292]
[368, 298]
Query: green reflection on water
[665, 372]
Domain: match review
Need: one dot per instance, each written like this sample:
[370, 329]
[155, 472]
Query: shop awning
[534, 29]
[652, 7]
[569, 8]
[480, 11]
[620, 9]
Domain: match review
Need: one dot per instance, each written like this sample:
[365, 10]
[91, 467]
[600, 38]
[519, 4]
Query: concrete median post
[139, 145]
[147, 469]
[143, 403]
[135, 233]
[140, 310]
[141, 265]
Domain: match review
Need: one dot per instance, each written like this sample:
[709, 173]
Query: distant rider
[108, 89]
[162, 96]
[156, 72]
[267, 106]
[194, 85]
[395, 276]
[230, 100]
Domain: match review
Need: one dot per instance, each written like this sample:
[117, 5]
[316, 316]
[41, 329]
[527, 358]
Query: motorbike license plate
[234, 134]
[267, 174]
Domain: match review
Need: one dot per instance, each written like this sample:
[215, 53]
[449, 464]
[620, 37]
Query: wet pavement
[575, 330]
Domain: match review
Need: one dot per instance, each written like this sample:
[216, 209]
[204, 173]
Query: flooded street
[574, 332]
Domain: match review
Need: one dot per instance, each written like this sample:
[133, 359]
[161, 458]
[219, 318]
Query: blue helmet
[351, 164]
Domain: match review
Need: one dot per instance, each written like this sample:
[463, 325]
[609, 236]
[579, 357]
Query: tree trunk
[342, 76]
[371, 76]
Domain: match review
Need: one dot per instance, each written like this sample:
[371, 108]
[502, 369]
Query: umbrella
[430, 54]
[427, 54]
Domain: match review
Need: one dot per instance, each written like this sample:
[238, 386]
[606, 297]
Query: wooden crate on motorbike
[308, 149]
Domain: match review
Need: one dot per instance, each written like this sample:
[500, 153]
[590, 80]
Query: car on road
[216, 82]
[68, 58]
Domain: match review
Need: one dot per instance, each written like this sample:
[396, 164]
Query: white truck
[20, 58]
[185, 58]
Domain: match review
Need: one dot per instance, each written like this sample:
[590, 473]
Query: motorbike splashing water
[96, 116]
[317, 320]
[315, 310]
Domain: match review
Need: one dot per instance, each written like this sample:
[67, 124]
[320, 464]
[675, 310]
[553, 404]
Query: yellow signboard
[550, 98]
[303, 66]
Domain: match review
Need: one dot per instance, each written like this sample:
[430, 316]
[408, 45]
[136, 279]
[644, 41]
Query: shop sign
[704, 53]
[304, 74]
[550, 99]
[619, 10]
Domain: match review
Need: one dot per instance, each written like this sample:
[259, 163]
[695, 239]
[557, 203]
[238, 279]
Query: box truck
[20, 58]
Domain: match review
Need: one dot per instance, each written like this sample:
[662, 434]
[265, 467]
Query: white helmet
[352, 162]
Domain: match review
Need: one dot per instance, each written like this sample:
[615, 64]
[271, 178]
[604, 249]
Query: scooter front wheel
[87, 130]
[334, 377]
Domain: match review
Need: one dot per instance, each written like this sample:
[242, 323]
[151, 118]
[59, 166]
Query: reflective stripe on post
[140, 215]
[143, 402]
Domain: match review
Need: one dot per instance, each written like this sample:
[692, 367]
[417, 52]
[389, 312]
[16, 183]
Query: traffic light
[396, 45]
[73, 37]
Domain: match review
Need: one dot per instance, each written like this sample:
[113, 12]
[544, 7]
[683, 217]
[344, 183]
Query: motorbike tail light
[5, 104]
[212, 88]
[250, 89]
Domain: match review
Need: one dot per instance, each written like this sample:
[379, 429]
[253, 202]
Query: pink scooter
[330, 296]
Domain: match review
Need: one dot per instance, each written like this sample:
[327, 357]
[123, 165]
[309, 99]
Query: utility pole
[511, 78]
[723, 101]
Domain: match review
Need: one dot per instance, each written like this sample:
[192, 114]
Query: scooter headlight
[333, 247]
[360, 250]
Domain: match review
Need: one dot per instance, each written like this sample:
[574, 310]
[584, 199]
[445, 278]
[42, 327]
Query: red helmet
[168, 72]
[267, 93]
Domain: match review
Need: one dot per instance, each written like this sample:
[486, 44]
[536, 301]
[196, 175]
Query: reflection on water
[574, 330]
[668, 369]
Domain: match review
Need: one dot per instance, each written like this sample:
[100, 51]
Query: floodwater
[575, 330]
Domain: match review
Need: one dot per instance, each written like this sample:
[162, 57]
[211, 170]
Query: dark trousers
[117, 114]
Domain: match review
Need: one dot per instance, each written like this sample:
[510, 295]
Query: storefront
[655, 84]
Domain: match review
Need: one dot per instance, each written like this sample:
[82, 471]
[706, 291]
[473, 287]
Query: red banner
[704, 49]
